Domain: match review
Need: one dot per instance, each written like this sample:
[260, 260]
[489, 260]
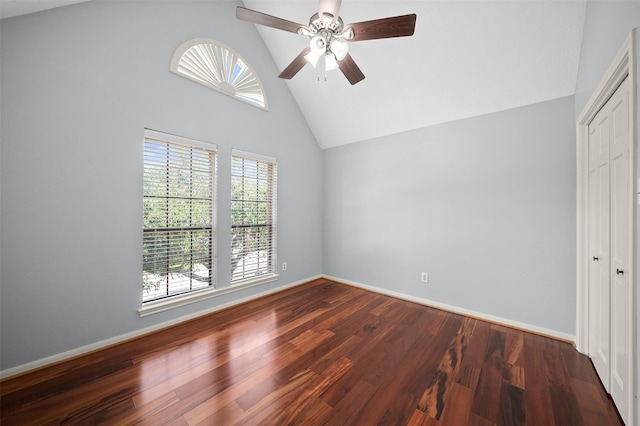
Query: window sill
[157, 306]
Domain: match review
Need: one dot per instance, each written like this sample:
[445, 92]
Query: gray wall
[485, 205]
[79, 84]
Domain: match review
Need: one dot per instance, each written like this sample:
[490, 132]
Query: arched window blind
[217, 66]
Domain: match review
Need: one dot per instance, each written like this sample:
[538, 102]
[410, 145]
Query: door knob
[595, 258]
[619, 271]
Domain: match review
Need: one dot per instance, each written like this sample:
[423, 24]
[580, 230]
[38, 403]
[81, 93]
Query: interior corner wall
[79, 84]
[485, 206]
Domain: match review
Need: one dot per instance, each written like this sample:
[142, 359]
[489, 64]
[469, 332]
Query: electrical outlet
[425, 277]
[284, 266]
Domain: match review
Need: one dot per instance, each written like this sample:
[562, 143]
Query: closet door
[621, 294]
[610, 225]
[599, 225]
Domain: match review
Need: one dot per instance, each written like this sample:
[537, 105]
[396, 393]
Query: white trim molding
[461, 311]
[84, 350]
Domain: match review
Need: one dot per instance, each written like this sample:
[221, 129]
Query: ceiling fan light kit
[328, 46]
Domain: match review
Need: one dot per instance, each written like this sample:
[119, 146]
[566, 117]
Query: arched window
[219, 67]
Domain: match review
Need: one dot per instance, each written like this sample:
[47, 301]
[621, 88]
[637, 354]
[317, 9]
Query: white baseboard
[462, 311]
[137, 333]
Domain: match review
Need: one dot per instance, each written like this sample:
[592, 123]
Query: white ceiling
[466, 58]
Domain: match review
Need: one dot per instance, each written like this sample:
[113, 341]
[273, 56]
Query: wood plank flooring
[319, 353]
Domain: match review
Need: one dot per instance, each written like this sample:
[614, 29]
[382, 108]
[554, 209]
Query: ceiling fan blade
[329, 6]
[350, 70]
[298, 63]
[260, 18]
[397, 26]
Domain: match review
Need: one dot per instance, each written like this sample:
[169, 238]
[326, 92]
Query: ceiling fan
[328, 48]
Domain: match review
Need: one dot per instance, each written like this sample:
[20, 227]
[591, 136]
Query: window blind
[178, 207]
[253, 216]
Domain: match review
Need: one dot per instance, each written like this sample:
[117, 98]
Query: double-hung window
[179, 198]
[253, 217]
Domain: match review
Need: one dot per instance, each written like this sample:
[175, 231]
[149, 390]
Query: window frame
[191, 296]
[272, 273]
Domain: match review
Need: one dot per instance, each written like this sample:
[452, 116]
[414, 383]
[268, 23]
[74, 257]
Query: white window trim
[155, 306]
[253, 156]
[162, 305]
[168, 137]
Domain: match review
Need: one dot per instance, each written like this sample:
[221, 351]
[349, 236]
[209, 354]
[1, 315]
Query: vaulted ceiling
[466, 58]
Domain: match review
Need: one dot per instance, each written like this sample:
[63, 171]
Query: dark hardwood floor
[319, 353]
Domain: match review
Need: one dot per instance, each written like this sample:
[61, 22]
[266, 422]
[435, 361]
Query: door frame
[624, 65]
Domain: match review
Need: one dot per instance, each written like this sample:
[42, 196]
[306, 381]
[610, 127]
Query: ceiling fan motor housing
[326, 35]
[328, 22]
